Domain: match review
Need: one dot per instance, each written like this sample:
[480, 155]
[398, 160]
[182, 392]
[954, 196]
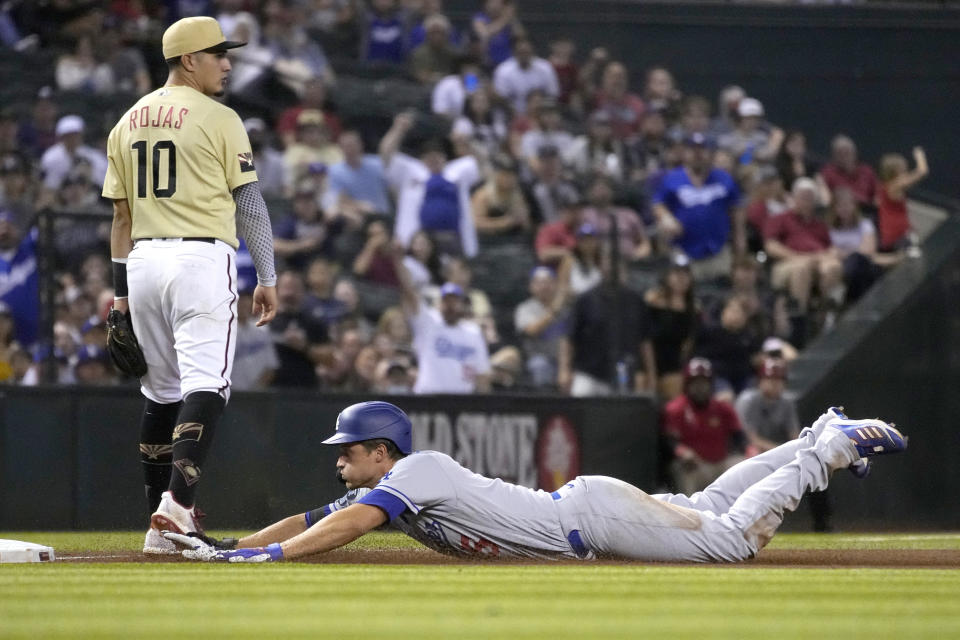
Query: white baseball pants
[183, 297]
[729, 521]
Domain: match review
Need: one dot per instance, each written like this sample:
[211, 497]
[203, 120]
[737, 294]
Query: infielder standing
[431, 498]
[182, 180]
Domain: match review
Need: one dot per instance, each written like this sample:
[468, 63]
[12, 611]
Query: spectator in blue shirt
[19, 279]
[418, 31]
[356, 187]
[305, 234]
[384, 40]
[696, 207]
[495, 28]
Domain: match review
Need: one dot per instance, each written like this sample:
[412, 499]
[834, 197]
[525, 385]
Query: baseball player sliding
[431, 498]
[183, 184]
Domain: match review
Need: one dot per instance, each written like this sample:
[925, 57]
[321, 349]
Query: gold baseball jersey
[176, 156]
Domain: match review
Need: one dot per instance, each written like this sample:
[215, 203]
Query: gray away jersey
[433, 499]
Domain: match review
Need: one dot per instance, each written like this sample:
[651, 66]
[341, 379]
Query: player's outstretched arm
[335, 530]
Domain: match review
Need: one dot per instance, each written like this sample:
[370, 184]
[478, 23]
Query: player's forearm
[120, 241]
[336, 530]
[120, 247]
[277, 532]
[253, 223]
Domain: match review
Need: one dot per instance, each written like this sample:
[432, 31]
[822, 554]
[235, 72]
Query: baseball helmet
[697, 368]
[372, 420]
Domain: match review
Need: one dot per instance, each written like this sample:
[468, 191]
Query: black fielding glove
[122, 345]
[223, 544]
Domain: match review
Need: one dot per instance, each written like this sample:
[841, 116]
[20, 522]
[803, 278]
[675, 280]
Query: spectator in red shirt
[375, 262]
[625, 108]
[767, 199]
[845, 170]
[703, 433]
[892, 198]
[799, 242]
[556, 240]
[568, 73]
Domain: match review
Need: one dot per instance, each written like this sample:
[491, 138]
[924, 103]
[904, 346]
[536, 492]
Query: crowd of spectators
[378, 227]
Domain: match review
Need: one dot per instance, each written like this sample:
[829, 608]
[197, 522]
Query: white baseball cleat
[172, 516]
[156, 545]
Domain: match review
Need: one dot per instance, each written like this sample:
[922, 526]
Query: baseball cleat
[171, 516]
[156, 545]
[830, 414]
[871, 437]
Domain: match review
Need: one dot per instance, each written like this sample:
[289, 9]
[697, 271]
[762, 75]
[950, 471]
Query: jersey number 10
[163, 145]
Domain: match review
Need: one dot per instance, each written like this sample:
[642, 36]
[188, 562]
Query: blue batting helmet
[371, 420]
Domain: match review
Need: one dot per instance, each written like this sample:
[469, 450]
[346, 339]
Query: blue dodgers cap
[372, 420]
[697, 139]
[451, 289]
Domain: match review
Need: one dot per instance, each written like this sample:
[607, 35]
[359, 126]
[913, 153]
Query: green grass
[470, 601]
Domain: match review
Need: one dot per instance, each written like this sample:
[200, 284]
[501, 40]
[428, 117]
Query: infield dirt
[774, 558]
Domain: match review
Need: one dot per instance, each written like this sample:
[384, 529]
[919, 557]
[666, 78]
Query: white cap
[804, 183]
[749, 107]
[69, 124]
[772, 343]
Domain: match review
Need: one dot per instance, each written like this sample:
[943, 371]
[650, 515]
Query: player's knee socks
[156, 448]
[192, 438]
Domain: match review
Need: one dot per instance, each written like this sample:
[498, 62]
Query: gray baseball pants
[729, 521]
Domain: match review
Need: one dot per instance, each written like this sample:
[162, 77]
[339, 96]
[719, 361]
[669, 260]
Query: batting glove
[269, 553]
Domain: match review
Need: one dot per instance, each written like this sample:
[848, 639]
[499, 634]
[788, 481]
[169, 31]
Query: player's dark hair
[392, 450]
[173, 63]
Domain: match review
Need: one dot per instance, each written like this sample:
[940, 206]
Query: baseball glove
[122, 344]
